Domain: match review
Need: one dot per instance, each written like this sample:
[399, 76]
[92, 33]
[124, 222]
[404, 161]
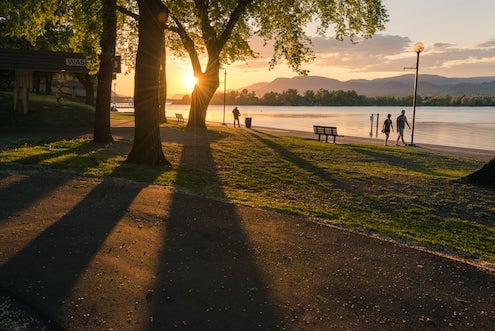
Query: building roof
[11, 59]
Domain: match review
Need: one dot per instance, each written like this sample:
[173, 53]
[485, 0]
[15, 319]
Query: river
[469, 127]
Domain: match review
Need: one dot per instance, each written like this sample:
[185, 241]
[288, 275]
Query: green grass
[400, 193]
[44, 112]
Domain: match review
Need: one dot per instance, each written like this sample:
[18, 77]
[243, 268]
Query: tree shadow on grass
[418, 162]
[86, 150]
[300, 162]
[208, 278]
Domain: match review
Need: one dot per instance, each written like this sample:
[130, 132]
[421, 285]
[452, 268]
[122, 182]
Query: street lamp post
[418, 48]
[224, 93]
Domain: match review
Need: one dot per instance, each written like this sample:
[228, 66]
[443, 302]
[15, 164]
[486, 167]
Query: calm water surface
[471, 127]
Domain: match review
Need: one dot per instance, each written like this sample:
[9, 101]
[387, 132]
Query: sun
[189, 82]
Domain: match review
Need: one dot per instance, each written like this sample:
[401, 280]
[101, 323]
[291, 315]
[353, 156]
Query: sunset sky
[458, 35]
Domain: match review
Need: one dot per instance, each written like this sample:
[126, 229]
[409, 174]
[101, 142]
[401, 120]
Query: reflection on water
[471, 127]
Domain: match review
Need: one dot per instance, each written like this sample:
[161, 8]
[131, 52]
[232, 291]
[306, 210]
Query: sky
[458, 35]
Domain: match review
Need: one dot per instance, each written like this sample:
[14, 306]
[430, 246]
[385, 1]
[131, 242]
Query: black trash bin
[248, 121]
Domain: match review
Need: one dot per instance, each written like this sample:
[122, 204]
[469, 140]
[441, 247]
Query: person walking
[236, 114]
[387, 126]
[401, 125]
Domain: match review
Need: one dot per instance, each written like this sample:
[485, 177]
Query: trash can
[248, 121]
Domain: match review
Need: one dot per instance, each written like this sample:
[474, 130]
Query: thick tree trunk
[484, 176]
[102, 132]
[203, 92]
[163, 86]
[147, 146]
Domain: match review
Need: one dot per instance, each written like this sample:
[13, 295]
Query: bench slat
[327, 131]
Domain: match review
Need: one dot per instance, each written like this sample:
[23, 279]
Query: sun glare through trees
[189, 81]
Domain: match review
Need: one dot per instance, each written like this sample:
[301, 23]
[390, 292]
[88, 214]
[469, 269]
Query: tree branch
[189, 45]
[234, 18]
[127, 12]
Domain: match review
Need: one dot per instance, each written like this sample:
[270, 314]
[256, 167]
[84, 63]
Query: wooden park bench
[326, 131]
[179, 117]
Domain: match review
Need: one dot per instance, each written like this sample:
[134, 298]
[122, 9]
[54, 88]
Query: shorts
[401, 131]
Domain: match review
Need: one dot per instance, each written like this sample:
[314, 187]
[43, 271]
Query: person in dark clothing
[236, 114]
[387, 126]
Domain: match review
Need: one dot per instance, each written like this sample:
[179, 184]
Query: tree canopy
[221, 30]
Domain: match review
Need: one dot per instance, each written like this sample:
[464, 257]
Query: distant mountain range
[398, 86]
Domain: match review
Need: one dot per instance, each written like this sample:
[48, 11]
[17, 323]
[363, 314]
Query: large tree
[220, 30]
[108, 38]
[147, 147]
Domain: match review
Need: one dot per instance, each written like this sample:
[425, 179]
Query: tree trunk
[102, 132]
[147, 146]
[203, 92]
[90, 91]
[37, 82]
[48, 82]
[87, 81]
[484, 176]
[163, 86]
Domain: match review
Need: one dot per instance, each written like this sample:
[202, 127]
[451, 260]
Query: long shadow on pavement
[19, 194]
[46, 270]
[208, 277]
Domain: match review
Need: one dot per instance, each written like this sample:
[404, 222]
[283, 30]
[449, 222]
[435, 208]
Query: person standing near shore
[387, 126]
[236, 114]
[401, 125]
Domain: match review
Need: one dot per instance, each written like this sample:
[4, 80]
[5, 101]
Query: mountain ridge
[396, 86]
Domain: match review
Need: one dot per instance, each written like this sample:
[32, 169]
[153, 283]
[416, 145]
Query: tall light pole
[224, 93]
[418, 48]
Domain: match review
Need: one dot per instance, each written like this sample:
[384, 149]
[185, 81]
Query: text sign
[73, 62]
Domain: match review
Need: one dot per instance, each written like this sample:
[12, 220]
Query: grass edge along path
[404, 194]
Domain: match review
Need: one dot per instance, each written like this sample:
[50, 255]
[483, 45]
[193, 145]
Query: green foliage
[324, 97]
[228, 26]
[71, 26]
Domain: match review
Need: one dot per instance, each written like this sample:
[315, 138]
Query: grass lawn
[45, 112]
[401, 193]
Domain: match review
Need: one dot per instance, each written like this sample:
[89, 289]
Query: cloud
[382, 56]
[390, 54]
[487, 44]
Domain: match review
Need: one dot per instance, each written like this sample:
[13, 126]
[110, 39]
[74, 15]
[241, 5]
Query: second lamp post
[418, 48]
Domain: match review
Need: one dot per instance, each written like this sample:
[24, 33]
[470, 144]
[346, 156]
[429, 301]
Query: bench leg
[326, 138]
[334, 139]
